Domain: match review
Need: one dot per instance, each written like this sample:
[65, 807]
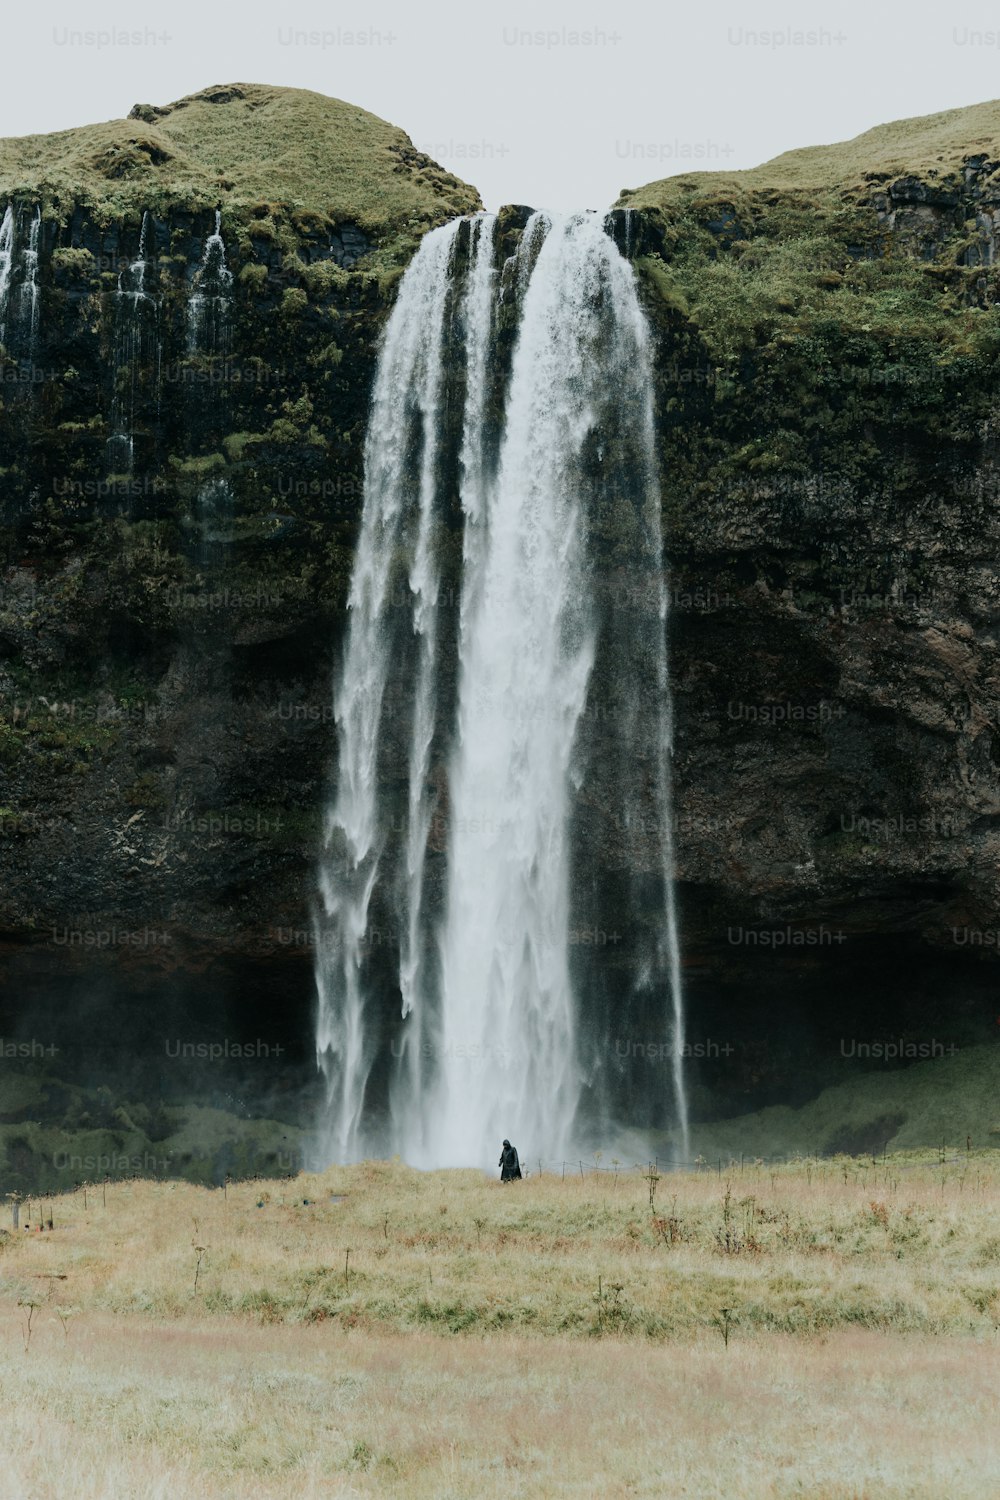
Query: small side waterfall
[208, 312]
[6, 265]
[20, 294]
[28, 296]
[209, 334]
[135, 345]
[483, 758]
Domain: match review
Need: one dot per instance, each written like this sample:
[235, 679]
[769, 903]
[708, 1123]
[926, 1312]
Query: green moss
[200, 467]
[293, 302]
[79, 262]
[254, 277]
[942, 1099]
[663, 282]
[10, 743]
[324, 278]
[330, 355]
[236, 444]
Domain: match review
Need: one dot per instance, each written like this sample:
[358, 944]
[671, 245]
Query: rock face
[828, 408]
[178, 513]
[828, 346]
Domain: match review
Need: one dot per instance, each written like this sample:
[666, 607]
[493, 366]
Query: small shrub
[293, 302]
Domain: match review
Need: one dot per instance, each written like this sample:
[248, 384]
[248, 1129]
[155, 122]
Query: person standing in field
[510, 1167]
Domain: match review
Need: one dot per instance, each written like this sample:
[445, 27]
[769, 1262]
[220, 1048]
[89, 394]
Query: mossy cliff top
[876, 260]
[932, 148]
[241, 145]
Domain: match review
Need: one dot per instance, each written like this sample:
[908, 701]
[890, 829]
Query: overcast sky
[557, 105]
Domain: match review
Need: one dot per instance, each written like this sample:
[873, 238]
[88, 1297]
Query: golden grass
[159, 1412]
[911, 1245]
[550, 1338]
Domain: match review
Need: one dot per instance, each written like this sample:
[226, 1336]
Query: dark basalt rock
[912, 190]
[348, 245]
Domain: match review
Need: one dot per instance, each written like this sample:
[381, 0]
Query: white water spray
[411, 1085]
[211, 296]
[404, 420]
[6, 264]
[135, 316]
[526, 656]
[29, 295]
[488, 1035]
[209, 329]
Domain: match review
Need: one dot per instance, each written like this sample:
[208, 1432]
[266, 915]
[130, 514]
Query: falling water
[135, 343]
[629, 232]
[23, 307]
[404, 422]
[6, 264]
[526, 654]
[28, 297]
[211, 295]
[209, 321]
[411, 1087]
[496, 713]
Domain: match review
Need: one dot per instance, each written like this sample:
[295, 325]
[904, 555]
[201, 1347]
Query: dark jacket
[509, 1165]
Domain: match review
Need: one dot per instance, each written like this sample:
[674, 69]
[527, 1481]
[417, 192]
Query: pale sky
[557, 105]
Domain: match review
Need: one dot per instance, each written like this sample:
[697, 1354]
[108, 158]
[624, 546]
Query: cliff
[177, 519]
[828, 410]
[827, 344]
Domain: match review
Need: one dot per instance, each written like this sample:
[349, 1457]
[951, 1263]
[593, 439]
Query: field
[826, 1328]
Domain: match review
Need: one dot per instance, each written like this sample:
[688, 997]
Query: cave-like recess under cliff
[827, 343]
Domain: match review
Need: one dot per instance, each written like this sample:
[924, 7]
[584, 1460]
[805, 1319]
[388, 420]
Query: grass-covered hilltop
[259, 152]
[180, 492]
[893, 235]
[926, 147]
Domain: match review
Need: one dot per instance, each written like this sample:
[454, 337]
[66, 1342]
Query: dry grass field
[826, 1329]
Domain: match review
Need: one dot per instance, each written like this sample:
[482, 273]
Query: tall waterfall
[485, 752]
[6, 264]
[404, 424]
[135, 342]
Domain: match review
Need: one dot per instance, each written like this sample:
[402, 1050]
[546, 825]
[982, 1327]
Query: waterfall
[525, 662]
[475, 765]
[6, 264]
[211, 293]
[209, 334]
[404, 424]
[134, 344]
[24, 308]
[476, 311]
[28, 298]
